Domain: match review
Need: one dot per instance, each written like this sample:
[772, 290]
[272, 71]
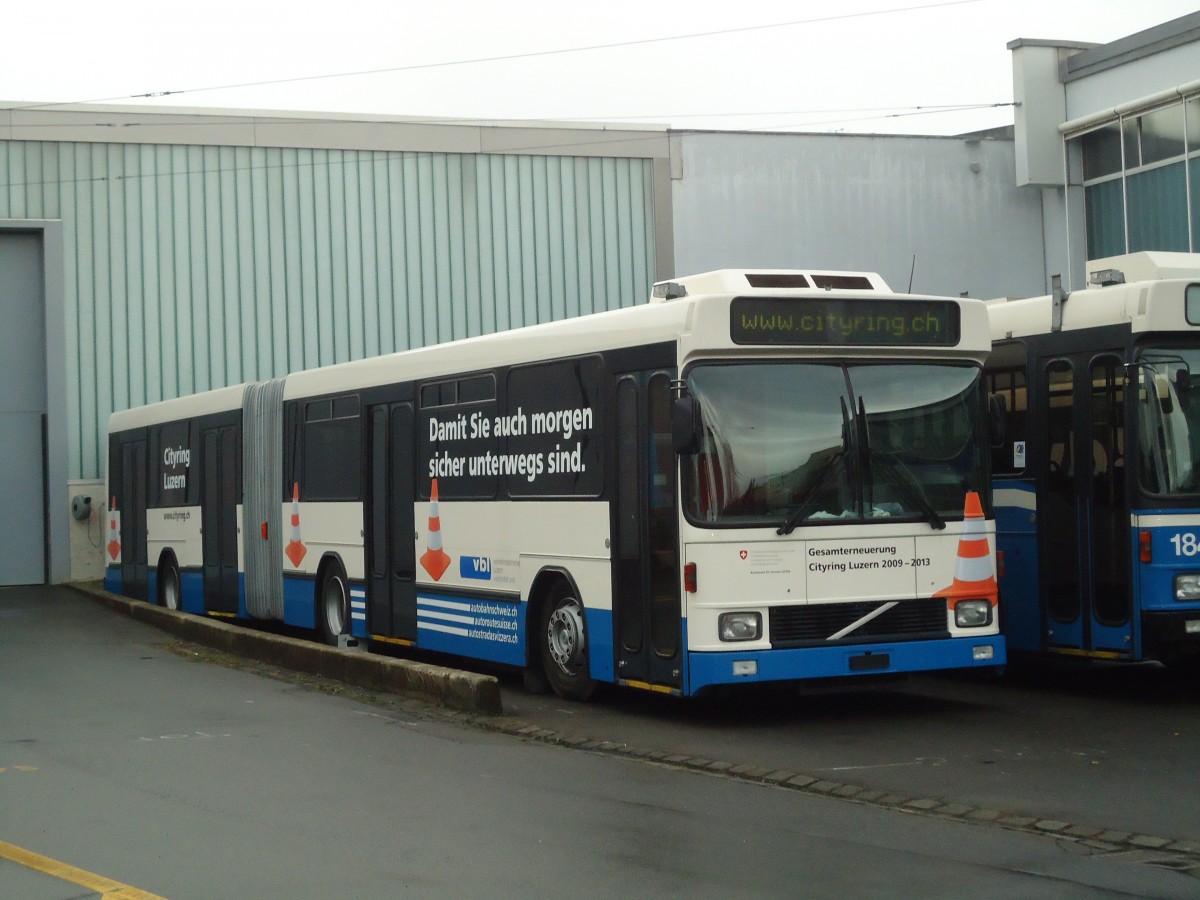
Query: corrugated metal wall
[195, 267]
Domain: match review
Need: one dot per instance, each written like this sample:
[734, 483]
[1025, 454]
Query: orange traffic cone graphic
[295, 550]
[434, 560]
[974, 578]
[114, 530]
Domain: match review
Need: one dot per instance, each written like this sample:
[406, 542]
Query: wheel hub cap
[565, 633]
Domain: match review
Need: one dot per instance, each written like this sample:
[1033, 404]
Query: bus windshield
[1169, 420]
[788, 443]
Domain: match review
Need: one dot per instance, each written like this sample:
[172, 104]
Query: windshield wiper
[808, 502]
[899, 475]
[896, 472]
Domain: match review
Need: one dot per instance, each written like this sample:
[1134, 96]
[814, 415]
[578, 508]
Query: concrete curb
[465, 691]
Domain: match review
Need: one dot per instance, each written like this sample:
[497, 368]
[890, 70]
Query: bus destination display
[816, 321]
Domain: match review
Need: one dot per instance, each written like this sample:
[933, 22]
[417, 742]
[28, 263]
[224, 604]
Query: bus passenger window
[1008, 384]
[331, 450]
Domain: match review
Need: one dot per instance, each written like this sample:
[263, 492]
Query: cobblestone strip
[1097, 838]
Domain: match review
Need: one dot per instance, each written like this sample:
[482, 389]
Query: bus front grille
[907, 620]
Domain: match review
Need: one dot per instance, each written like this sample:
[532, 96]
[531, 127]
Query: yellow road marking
[105, 887]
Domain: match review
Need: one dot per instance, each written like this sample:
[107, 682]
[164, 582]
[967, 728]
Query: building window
[1140, 181]
[1101, 152]
[1105, 204]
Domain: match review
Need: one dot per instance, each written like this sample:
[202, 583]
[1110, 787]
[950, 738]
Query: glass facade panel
[1194, 171]
[1158, 209]
[1133, 154]
[1193, 125]
[1150, 166]
[1101, 152]
[1162, 134]
[1105, 219]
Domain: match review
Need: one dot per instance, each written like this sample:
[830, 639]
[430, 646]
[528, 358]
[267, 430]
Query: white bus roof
[663, 318]
[741, 281]
[1140, 290]
[1145, 265]
[206, 403]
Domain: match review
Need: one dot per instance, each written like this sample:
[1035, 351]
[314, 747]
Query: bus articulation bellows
[1097, 479]
[756, 476]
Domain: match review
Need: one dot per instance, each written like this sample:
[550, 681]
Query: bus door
[218, 515]
[647, 610]
[1084, 547]
[391, 550]
[133, 520]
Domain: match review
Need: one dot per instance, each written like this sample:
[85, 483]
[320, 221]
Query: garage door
[22, 410]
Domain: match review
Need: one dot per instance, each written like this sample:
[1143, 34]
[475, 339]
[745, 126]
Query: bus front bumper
[847, 660]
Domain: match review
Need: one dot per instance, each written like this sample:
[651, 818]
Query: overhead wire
[515, 56]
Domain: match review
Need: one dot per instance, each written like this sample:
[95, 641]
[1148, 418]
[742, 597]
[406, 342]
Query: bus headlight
[972, 613]
[1187, 588]
[740, 626]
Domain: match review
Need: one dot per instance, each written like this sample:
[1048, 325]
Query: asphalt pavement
[1102, 755]
[135, 763]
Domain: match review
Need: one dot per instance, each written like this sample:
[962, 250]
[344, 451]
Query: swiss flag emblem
[742, 554]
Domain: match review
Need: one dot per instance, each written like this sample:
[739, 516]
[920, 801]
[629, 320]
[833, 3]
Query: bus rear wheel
[563, 637]
[170, 590]
[332, 605]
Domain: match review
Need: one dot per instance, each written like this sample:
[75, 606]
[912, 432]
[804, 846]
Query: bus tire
[170, 588]
[562, 636]
[333, 604]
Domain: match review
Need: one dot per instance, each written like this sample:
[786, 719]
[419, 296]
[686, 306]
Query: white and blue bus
[1097, 480]
[763, 476]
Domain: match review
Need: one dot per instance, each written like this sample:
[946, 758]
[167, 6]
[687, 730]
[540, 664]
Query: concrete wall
[945, 210]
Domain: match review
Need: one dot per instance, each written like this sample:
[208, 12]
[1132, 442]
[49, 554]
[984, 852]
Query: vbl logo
[477, 567]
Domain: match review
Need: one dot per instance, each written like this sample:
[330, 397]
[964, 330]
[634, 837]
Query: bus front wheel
[564, 644]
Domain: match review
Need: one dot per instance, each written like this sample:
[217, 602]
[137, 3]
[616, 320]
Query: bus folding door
[391, 553]
[1084, 552]
[134, 570]
[218, 511]
[646, 554]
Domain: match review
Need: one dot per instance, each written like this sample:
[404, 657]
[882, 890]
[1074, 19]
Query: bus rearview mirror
[685, 425]
[997, 420]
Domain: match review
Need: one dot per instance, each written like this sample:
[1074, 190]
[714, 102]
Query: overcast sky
[884, 66]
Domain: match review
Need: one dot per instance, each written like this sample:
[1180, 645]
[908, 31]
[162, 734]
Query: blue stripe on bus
[600, 640]
[504, 645]
[1154, 587]
[1015, 503]
[706, 669]
[492, 629]
[299, 605]
[112, 579]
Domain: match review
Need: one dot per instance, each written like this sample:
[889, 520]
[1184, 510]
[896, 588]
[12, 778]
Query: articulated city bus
[755, 476]
[1097, 482]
